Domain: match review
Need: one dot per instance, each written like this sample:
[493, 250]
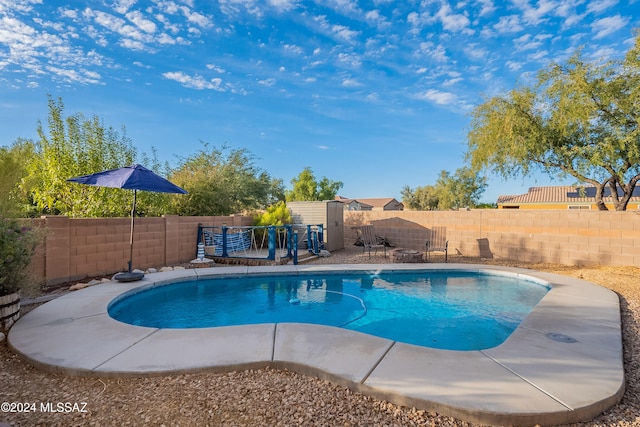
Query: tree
[580, 119]
[307, 188]
[223, 181]
[76, 146]
[277, 214]
[462, 189]
[12, 171]
[421, 199]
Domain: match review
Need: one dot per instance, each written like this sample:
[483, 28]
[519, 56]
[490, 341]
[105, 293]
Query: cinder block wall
[76, 248]
[566, 237]
[79, 248]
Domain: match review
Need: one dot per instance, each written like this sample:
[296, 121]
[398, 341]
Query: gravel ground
[268, 397]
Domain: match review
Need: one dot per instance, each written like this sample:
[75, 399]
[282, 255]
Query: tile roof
[379, 202]
[375, 202]
[561, 194]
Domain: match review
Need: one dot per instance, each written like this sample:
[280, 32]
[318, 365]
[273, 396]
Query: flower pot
[9, 310]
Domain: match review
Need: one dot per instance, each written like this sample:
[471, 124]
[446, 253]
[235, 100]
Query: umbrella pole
[133, 214]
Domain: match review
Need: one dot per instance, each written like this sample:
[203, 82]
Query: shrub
[17, 246]
[277, 214]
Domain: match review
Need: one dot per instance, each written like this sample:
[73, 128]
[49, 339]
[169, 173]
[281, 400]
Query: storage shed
[328, 213]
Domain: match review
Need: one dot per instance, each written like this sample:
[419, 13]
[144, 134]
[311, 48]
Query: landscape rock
[164, 269]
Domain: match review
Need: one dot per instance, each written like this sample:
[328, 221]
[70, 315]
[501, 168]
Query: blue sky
[376, 94]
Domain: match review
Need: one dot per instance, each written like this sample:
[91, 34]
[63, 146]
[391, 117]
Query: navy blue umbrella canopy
[134, 177]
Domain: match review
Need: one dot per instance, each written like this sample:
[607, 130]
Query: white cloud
[69, 13]
[487, 7]
[376, 19]
[234, 7]
[597, 6]
[19, 6]
[76, 76]
[535, 15]
[283, 5]
[454, 22]
[122, 6]
[345, 33]
[343, 6]
[199, 19]
[350, 59]
[452, 82]
[509, 24]
[439, 97]
[195, 82]
[351, 83]
[436, 53]
[141, 22]
[476, 52]
[540, 56]
[513, 65]
[293, 49]
[267, 82]
[40, 52]
[529, 42]
[605, 26]
[216, 68]
[336, 31]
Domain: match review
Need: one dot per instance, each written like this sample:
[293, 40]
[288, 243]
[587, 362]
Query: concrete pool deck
[563, 364]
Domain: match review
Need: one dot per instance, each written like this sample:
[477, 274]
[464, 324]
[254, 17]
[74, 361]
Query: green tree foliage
[462, 189]
[277, 214]
[579, 118]
[74, 146]
[222, 182]
[17, 245]
[420, 199]
[150, 203]
[307, 188]
[12, 171]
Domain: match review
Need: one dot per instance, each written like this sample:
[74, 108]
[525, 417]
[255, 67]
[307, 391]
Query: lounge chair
[370, 240]
[438, 241]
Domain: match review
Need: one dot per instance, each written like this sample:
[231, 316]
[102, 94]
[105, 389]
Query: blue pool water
[453, 310]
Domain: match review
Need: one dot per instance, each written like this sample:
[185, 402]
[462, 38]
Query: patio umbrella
[134, 177]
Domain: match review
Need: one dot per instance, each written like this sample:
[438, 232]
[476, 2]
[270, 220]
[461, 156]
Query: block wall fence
[79, 248]
[569, 237]
[76, 248]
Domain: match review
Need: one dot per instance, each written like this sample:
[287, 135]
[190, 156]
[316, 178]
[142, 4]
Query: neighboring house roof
[561, 194]
[380, 203]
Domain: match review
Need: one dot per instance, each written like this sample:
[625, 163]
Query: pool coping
[563, 364]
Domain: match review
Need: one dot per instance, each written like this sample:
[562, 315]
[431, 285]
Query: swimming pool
[453, 310]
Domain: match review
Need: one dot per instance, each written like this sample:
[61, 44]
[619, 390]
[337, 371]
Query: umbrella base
[128, 276]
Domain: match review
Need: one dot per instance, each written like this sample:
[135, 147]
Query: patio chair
[438, 242]
[370, 240]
